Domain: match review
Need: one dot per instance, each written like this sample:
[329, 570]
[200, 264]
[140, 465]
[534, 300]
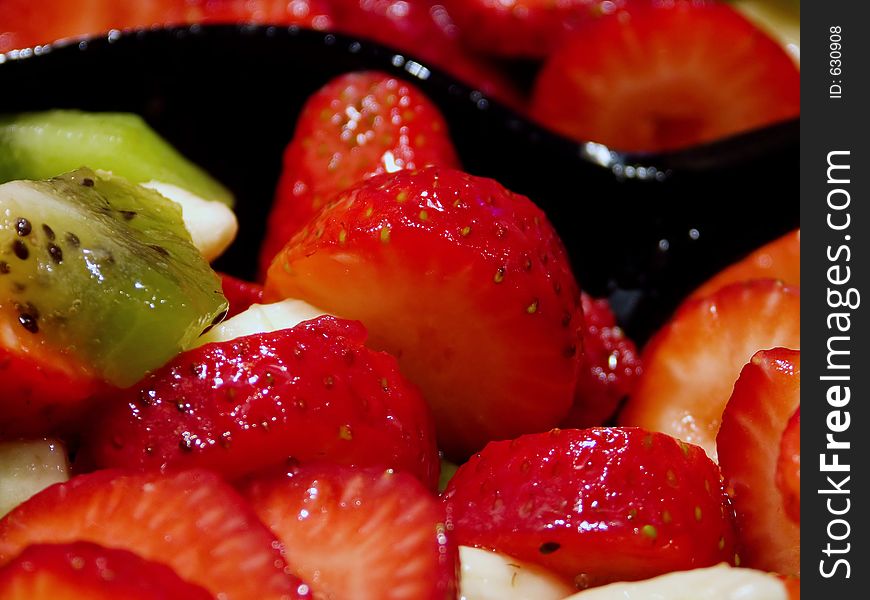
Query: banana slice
[714, 583]
[262, 318]
[29, 467]
[212, 225]
[488, 575]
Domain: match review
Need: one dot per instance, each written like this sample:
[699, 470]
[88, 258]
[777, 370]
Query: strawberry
[42, 390]
[85, 570]
[780, 259]
[313, 14]
[464, 281]
[691, 364]
[788, 467]
[26, 24]
[425, 30]
[594, 505]
[765, 397]
[611, 365]
[664, 76]
[523, 28]
[310, 392]
[191, 521]
[240, 294]
[357, 126]
[343, 527]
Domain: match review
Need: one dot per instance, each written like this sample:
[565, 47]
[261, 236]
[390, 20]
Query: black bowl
[641, 229]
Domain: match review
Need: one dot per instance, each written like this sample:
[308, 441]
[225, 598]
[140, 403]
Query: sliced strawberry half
[764, 398]
[780, 259]
[240, 294]
[359, 533]
[466, 283]
[609, 369]
[191, 521]
[42, 390]
[357, 126]
[594, 505]
[86, 570]
[667, 75]
[788, 467]
[691, 364]
[307, 393]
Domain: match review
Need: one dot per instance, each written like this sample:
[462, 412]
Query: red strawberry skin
[308, 393]
[24, 24]
[691, 364]
[788, 467]
[340, 526]
[86, 570]
[357, 126]
[425, 30]
[765, 397]
[42, 391]
[240, 294]
[779, 259]
[662, 76]
[191, 521]
[523, 28]
[464, 281]
[610, 367]
[595, 505]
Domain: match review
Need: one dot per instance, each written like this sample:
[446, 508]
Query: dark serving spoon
[641, 229]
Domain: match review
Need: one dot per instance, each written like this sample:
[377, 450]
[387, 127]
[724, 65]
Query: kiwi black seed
[20, 249]
[159, 249]
[23, 227]
[4, 267]
[56, 253]
[29, 322]
[49, 232]
[128, 214]
[73, 240]
[88, 182]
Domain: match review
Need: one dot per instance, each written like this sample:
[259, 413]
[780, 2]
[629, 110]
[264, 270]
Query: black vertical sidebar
[835, 254]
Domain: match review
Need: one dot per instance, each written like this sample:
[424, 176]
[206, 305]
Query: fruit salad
[416, 398]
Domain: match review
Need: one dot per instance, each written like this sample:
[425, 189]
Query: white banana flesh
[487, 575]
[27, 468]
[262, 318]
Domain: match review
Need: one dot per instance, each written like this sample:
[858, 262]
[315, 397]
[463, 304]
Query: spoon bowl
[642, 230]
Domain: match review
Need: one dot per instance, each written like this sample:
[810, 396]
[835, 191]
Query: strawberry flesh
[663, 76]
[340, 527]
[691, 364]
[86, 570]
[357, 126]
[595, 505]
[191, 521]
[310, 392]
[765, 397]
[466, 283]
[788, 467]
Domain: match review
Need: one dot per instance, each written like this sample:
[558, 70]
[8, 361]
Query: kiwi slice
[105, 271]
[40, 145]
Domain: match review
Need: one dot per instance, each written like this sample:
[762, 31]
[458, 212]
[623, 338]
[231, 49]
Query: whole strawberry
[308, 393]
[465, 282]
[611, 366]
[356, 126]
[595, 505]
